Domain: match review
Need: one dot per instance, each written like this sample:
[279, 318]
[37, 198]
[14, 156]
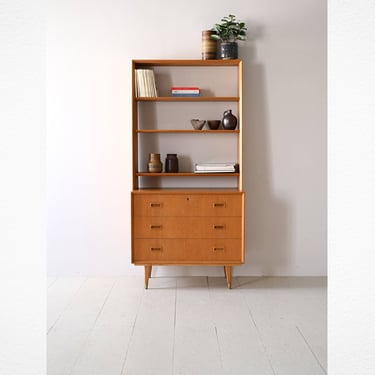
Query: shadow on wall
[268, 217]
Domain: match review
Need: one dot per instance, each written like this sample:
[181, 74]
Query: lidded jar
[229, 120]
[171, 163]
[209, 45]
[154, 164]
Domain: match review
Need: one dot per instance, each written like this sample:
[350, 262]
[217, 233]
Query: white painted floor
[187, 326]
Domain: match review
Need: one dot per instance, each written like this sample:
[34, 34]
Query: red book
[185, 88]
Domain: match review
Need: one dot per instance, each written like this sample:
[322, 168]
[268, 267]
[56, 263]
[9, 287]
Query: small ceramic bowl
[197, 124]
[213, 124]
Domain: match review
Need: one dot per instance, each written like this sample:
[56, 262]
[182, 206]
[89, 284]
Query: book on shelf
[185, 91]
[145, 85]
[186, 95]
[215, 168]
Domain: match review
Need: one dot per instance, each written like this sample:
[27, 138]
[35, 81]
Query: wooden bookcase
[187, 218]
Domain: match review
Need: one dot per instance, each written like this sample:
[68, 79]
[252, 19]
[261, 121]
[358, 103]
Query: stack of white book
[145, 83]
[215, 168]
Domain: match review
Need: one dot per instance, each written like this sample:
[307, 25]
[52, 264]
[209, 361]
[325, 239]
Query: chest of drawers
[187, 228]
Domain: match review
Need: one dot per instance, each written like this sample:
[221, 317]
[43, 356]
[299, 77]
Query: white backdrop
[90, 45]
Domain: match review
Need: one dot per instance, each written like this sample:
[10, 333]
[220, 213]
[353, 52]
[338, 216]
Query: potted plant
[227, 33]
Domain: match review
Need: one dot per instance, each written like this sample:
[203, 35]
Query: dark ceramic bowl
[197, 124]
[213, 124]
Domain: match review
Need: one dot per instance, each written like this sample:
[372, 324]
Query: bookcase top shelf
[186, 62]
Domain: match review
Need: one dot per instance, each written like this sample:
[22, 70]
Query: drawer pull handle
[219, 226]
[155, 248]
[219, 204]
[218, 249]
[154, 226]
[153, 205]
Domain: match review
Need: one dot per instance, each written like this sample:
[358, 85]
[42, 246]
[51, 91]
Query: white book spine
[145, 83]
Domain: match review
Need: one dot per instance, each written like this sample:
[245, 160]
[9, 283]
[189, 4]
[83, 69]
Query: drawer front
[215, 205]
[187, 227]
[169, 251]
[214, 250]
[187, 204]
[159, 205]
[156, 250]
[214, 227]
[159, 227]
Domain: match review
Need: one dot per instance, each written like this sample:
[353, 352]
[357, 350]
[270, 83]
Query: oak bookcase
[187, 218]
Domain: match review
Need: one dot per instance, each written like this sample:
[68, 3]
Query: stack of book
[185, 91]
[215, 167]
[145, 83]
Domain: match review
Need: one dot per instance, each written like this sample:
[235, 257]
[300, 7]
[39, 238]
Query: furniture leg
[148, 270]
[228, 276]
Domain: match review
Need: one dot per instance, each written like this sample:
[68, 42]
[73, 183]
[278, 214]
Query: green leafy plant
[229, 30]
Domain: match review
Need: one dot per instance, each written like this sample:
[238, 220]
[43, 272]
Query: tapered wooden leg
[148, 270]
[228, 276]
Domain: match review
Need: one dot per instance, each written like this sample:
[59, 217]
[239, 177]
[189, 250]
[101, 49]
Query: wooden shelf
[187, 174]
[185, 62]
[188, 99]
[220, 131]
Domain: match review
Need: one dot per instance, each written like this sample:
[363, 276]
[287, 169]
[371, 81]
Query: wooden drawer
[170, 251]
[160, 227]
[187, 204]
[156, 250]
[187, 227]
[159, 205]
[214, 250]
[216, 205]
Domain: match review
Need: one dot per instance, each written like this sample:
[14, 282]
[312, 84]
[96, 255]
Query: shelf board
[186, 131]
[186, 174]
[188, 99]
[185, 62]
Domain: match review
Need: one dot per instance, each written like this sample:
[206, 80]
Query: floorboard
[67, 337]
[60, 294]
[187, 326]
[150, 350]
[105, 350]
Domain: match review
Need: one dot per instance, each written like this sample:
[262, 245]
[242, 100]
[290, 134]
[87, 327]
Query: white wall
[90, 45]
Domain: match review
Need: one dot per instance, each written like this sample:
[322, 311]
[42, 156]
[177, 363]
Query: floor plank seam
[312, 352]
[174, 326]
[132, 334]
[215, 325]
[252, 319]
[51, 283]
[71, 299]
[218, 346]
[89, 333]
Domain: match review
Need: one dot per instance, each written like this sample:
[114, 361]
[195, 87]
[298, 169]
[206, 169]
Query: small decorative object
[213, 124]
[197, 124]
[227, 33]
[209, 45]
[185, 91]
[154, 164]
[171, 163]
[229, 120]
